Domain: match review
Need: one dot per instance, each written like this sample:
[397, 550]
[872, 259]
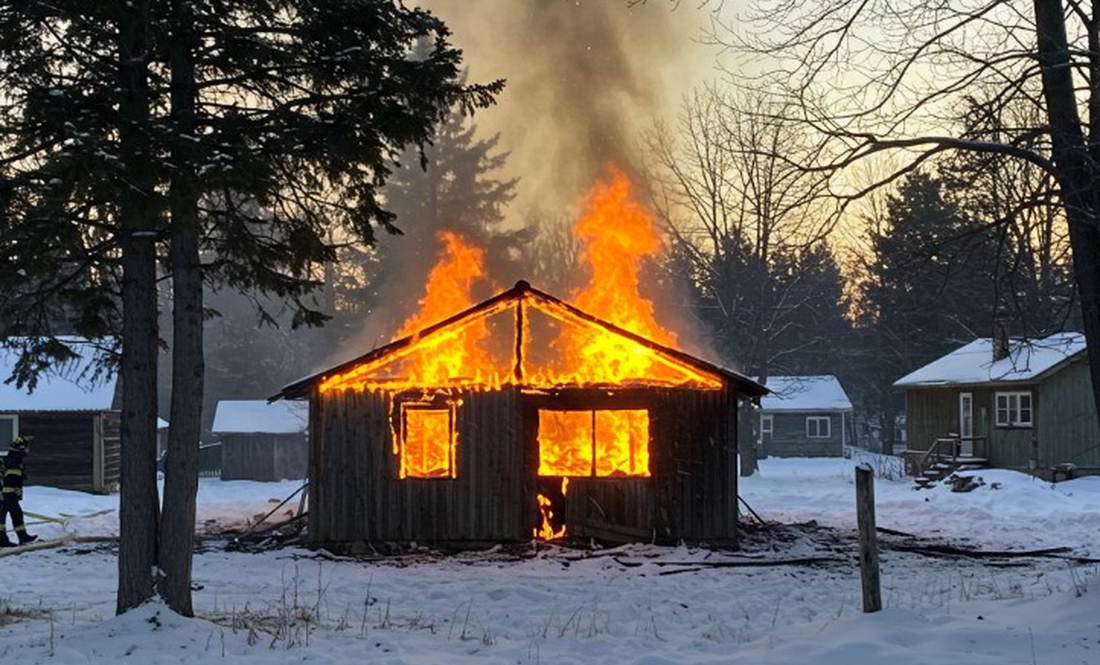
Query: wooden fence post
[868, 540]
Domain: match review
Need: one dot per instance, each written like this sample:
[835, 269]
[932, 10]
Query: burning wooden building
[525, 416]
[636, 441]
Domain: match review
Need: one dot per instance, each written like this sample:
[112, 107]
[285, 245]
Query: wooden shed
[523, 434]
[73, 413]
[1018, 404]
[261, 440]
[805, 416]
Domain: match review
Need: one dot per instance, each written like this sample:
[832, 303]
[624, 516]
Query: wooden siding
[111, 451]
[1064, 425]
[1067, 415]
[932, 414]
[263, 456]
[355, 494]
[788, 438]
[72, 450]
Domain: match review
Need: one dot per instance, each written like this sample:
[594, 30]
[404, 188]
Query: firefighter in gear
[12, 492]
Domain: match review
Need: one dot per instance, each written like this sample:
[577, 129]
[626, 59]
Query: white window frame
[828, 433]
[767, 425]
[14, 418]
[1009, 409]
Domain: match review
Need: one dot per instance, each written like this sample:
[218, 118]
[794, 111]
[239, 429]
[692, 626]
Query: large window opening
[595, 443]
[427, 441]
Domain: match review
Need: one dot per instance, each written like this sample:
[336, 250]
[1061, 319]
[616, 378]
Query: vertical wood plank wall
[73, 450]
[355, 493]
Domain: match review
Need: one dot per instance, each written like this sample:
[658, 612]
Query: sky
[631, 605]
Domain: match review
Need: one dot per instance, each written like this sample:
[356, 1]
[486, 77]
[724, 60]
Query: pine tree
[233, 156]
[929, 287]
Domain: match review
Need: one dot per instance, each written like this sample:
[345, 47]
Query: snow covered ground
[635, 605]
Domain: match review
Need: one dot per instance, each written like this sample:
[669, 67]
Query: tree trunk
[138, 502]
[181, 469]
[1076, 170]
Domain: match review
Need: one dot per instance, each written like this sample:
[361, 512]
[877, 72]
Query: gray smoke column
[584, 77]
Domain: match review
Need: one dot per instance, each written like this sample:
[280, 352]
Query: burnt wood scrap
[945, 550]
[736, 563]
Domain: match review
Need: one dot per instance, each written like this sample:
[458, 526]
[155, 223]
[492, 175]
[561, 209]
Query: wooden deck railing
[941, 450]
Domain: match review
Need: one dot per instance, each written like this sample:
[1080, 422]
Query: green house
[1025, 405]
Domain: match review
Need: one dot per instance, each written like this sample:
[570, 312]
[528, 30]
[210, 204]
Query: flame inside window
[428, 441]
[606, 443]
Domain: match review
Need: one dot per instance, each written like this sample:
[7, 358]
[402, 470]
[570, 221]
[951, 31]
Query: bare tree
[886, 75]
[744, 214]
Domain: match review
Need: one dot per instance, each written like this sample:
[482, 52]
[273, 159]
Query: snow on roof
[805, 393]
[973, 363]
[259, 416]
[71, 386]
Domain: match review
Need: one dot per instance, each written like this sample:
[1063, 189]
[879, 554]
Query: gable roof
[260, 417]
[805, 393]
[1027, 361]
[522, 294]
[73, 385]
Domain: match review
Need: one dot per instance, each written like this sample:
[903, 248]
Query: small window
[606, 443]
[428, 441]
[9, 429]
[1013, 409]
[767, 425]
[818, 427]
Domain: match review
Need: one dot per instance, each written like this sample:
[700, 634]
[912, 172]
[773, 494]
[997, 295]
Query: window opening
[9, 429]
[596, 443]
[1014, 409]
[818, 427]
[428, 441]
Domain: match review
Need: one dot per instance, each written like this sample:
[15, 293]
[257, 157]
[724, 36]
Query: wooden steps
[944, 466]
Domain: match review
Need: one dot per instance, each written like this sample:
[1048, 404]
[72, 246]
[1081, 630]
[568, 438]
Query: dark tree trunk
[138, 502]
[181, 470]
[1076, 167]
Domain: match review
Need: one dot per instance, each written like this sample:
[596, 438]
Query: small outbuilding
[522, 417]
[261, 440]
[805, 416]
[73, 415]
[1019, 404]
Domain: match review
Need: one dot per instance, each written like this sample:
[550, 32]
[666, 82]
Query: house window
[818, 427]
[607, 443]
[1013, 409]
[9, 429]
[428, 441]
[767, 425]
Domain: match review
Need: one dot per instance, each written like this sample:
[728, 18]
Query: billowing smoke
[584, 77]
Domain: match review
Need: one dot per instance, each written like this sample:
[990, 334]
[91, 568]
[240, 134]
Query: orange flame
[455, 355]
[428, 443]
[448, 292]
[619, 233]
[547, 530]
